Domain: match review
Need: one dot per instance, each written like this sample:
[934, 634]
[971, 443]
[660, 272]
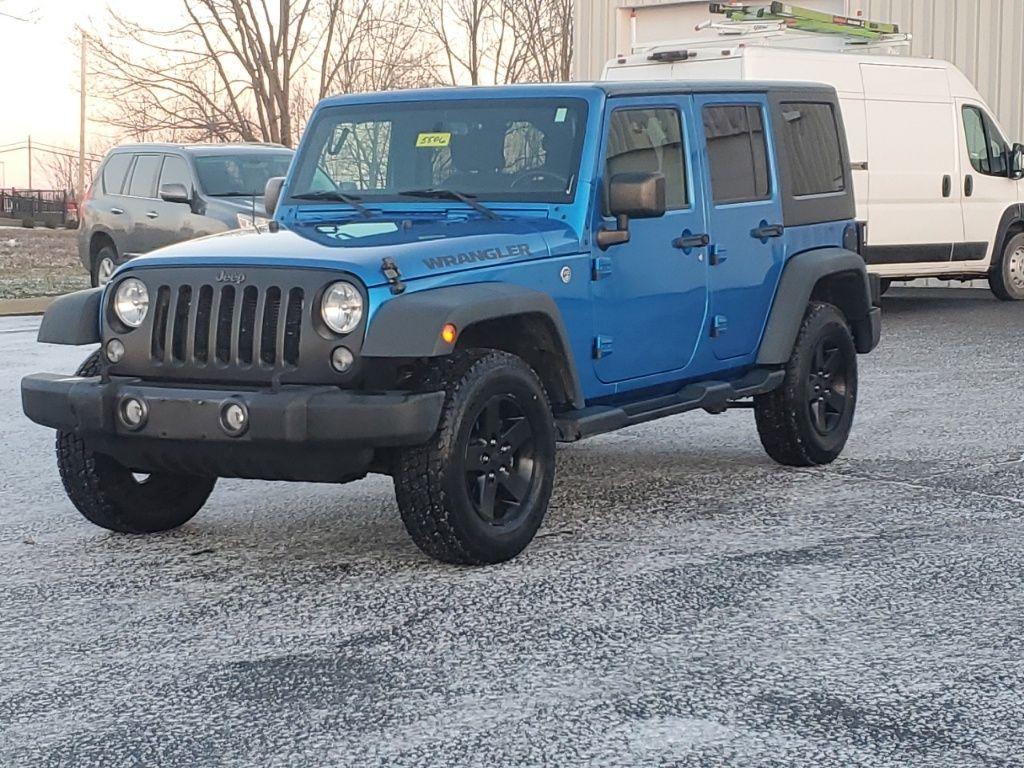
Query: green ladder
[804, 19]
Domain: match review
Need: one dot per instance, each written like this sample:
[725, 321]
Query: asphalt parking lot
[688, 602]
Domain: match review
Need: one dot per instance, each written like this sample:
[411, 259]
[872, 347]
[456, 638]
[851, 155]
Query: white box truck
[937, 183]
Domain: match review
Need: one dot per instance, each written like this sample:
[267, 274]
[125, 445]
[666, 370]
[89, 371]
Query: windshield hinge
[394, 277]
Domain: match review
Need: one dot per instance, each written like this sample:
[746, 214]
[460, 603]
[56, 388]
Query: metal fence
[42, 206]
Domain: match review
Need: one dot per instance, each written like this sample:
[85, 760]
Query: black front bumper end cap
[291, 415]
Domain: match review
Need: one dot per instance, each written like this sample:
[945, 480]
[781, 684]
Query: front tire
[807, 420]
[112, 496]
[477, 492]
[1006, 279]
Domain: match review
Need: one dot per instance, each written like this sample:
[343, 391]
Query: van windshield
[240, 174]
[522, 150]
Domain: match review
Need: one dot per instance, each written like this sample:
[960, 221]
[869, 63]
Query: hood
[237, 205]
[419, 247]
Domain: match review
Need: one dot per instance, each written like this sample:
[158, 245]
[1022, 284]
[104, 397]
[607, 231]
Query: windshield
[521, 150]
[240, 174]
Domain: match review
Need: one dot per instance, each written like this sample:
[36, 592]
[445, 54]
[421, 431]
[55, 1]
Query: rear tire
[807, 420]
[112, 496]
[103, 265]
[1006, 278]
[477, 492]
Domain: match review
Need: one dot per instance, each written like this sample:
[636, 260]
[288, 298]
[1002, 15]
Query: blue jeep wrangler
[454, 281]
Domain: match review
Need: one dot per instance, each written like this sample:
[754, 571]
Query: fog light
[115, 350]
[234, 418]
[342, 359]
[134, 413]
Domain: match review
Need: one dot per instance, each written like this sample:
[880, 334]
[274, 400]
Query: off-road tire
[436, 495]
[786, 417]
[98, 273]
[1006, 278]
[109, 495]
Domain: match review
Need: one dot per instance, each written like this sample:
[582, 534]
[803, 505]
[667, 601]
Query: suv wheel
[478, 491]
[114, 497]
[807, 420]
[103, 265]
[1007, 275]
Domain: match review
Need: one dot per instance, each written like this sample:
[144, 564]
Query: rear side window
[737, 153]
[114, 171]
[175, 172]
[650, 141]
[986, 148]
[815, 155]
[144, 176]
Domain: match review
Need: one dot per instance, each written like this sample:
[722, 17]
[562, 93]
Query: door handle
[117, 211]
[688, 241]
[766, 231]
[968, 185]
[152, 214]
[947, 185]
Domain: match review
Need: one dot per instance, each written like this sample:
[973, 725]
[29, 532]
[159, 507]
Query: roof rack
[746, 18]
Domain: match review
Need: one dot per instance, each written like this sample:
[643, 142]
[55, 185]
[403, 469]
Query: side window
[176, 171]
[812, 140]
[114, 171]
[737, 153]
[985, 147]
[144, 176]
[650, 141]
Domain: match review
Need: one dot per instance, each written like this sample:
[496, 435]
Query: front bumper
[293, 432]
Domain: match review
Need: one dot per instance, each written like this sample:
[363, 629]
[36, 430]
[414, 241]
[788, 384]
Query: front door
[650, 294]
[745, 218]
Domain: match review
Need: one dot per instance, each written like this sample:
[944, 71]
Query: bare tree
[544, 40]
[18, 11]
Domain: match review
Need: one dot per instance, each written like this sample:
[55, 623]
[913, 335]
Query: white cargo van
[936, 180]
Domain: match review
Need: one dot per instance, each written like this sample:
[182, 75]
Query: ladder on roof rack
[803, 19]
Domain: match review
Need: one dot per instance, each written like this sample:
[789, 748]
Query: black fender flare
[1012, 216]
[410, 325]
[73, 319]
[835, 275]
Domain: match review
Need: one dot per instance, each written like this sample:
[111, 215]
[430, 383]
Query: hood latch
[390, 270]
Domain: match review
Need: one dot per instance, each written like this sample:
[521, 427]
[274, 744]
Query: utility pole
[80, 188]
[30, 161]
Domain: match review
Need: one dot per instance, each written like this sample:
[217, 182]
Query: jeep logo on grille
[231, 277]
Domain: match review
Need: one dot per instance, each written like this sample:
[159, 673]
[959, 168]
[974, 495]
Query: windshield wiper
[339, 197]
[451, 194]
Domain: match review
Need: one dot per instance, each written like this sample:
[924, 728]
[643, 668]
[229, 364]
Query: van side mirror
[175, 193]
[632, 196]
[1017, 162]
[272, 194]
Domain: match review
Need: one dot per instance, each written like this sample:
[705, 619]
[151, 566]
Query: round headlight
[131, 302]
[342, 307]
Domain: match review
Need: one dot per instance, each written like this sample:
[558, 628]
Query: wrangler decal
[470, 257]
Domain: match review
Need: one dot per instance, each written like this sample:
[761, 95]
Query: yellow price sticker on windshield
[433, 140]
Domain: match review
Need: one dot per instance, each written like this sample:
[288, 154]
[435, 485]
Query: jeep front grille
[242, 326]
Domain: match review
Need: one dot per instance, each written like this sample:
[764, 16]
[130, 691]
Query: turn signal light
[448, 333]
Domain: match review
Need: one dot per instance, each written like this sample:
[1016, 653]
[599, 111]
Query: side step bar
[598, 419]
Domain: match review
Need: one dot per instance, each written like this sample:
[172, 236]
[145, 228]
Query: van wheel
[477, 492]
[114, 497]
[103, 265]
[1006, 279]
[807, 420]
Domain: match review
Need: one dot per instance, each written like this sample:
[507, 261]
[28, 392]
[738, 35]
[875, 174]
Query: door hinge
[602, 346]
[719, 325]
[601, 268]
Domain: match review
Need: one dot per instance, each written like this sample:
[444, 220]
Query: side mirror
[1017, 162]
[175, 193]
[632, 196]
[272, 194]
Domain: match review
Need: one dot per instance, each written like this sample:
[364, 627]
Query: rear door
[650, 295]
[141, 203]
[107, 210]
[745, 219]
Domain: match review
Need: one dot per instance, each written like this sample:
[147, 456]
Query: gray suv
[146, 196]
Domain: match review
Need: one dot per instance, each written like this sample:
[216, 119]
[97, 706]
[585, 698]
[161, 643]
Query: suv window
[175, 171]
[812, 138]
[144, 176]
[650, 141]
[986, 148]
[737, 153]
[114, 172]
